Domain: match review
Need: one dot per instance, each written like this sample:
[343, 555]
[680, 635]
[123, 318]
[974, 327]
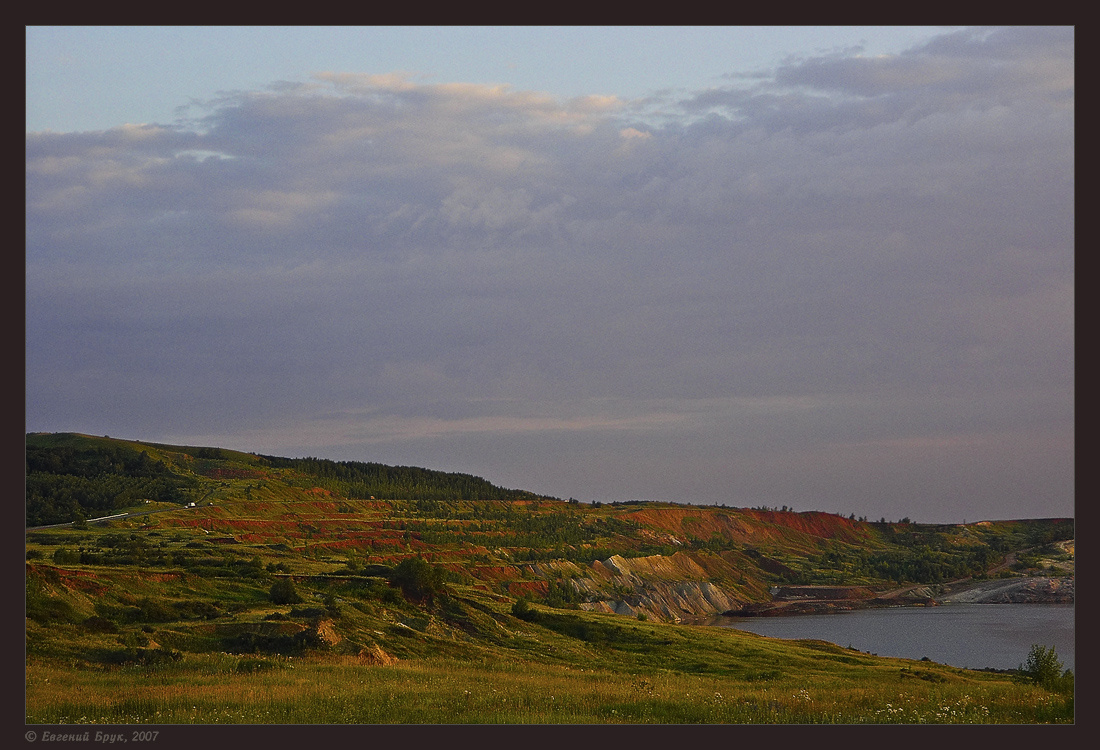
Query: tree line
[65, 483]
[356, 479]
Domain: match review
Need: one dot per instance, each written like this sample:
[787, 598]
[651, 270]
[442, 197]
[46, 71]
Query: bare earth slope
[1030, 590]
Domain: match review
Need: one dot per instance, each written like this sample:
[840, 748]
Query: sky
[825, 268]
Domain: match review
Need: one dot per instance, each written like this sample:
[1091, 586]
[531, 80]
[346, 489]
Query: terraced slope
[200, 567]
[315, 517]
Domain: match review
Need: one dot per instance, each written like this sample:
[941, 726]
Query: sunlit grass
[333, 690]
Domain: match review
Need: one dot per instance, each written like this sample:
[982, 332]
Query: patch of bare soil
[373, 655]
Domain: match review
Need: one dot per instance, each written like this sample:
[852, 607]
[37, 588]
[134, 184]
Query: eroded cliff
[669, 588]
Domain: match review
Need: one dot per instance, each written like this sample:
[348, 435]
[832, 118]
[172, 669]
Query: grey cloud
[887, 241]
[965, 70]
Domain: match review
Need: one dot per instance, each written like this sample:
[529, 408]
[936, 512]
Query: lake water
[962, 635]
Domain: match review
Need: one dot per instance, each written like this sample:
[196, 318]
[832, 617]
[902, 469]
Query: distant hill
[204, 561]
[71, 476]
[515, 542]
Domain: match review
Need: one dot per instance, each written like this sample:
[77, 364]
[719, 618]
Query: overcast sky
[829, 269]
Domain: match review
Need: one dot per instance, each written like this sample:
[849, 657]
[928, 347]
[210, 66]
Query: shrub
[523, 611]
[66, 556]
[257, 643]
[373, 589]
[418, 579]
[283, 592]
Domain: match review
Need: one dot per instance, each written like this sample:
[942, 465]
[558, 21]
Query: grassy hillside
[312, 591]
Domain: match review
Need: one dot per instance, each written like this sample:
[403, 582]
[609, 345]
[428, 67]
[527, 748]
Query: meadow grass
[471, 662]
[227, 689]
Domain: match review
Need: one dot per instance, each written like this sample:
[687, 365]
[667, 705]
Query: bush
[283, 592]
[257, 643]
[369, 589]
[523, 611]
[66, 557]
[418, 579]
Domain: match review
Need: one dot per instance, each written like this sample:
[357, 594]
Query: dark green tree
[283, 592]
[418, 579]
[561, 594]
[524, 611]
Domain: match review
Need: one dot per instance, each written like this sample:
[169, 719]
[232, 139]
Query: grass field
[562, 671]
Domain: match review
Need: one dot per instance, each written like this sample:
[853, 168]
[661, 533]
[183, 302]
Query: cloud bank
[845, 286]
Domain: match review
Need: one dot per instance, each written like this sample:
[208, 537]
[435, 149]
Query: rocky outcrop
[678, 588]
[668, 588]
[1029, 590]
[671, 602]
[326, 633]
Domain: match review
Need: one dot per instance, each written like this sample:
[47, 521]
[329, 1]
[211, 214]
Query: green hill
[220, 573]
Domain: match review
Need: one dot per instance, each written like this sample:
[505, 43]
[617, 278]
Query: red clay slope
[748, 526]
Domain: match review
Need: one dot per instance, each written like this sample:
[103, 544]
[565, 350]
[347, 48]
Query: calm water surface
[962, 635]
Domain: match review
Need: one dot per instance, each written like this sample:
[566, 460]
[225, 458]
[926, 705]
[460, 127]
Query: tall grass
[223, 689]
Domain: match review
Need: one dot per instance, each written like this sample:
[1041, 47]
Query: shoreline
[791, 601]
